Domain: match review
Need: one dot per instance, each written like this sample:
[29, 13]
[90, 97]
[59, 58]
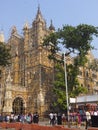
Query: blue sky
[71, 12]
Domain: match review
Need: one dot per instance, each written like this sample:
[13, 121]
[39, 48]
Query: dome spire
[51, 26]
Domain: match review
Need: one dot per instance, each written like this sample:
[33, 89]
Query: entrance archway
[18, 106]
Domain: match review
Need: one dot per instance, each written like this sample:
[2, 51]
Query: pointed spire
[39, 19]
[39, 12]
[51, 26]
[39, 16]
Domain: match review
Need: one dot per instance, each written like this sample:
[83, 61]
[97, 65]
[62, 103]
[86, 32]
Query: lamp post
[66, 88]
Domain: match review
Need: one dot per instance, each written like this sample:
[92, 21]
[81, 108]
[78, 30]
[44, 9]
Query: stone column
[8, 95]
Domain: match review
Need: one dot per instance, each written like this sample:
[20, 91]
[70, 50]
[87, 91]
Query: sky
[62, 12]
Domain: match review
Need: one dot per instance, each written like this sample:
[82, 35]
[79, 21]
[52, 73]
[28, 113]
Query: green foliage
[52, 40]
[4, 55]
[79, 90]
[73, 38]
[74, 89]
[76, 40]
[72, 72]
[59, 87]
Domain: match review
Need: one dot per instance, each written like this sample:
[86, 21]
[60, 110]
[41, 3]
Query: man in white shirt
[88, 118]
[51, 118]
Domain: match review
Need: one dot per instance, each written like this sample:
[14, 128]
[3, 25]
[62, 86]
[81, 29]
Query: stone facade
[31, 70]
[26, 83]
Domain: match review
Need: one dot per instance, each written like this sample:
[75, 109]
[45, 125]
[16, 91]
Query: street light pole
[66, 87]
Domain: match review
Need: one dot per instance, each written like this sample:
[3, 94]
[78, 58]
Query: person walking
[88, 119]
[63, 119]
[78, 119]
[36, 117]
[52, 118]
[59, 119]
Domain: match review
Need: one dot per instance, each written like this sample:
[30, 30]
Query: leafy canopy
[73, 38]
[76, 40]
[4, 55]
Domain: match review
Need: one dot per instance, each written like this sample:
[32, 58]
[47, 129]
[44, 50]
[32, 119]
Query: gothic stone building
[27, 81]
[26, 84]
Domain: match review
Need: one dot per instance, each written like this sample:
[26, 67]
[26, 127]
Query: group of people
[83, 116]
[92, 118]
[54, 118]
[24, 118]
[57, 118]
[78, 117]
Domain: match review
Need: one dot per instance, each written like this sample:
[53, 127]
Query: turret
[39, 17]
[38, 27]
[39, 21]
[51, 27]
[26, 36]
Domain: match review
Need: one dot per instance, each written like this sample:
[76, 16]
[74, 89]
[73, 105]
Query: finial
[14, 30]
[51, 26]
[26, 25]
[1, 36]
[38, 11]
[38, 7]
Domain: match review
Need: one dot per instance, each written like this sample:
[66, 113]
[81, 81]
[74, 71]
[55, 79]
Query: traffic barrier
[15, 125]
[3, 125]
[93, 128]
[25, 126]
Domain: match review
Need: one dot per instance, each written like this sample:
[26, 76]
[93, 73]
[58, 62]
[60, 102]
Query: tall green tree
[4, 54]
[74, 88]
[76, 40]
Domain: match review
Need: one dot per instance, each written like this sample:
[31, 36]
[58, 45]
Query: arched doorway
[18, 106]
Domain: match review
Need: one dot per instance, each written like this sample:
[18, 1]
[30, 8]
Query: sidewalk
[46, 123]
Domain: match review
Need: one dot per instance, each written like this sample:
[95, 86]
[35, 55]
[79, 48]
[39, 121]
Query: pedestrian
[36, 117]
[59, 119]
[29, 118]
[88, 118]
[52, 118]
[1, 118]
[55, 116]
[63, 119]
[78, 119]
[95, 113]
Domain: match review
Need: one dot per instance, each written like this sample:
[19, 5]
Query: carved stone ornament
[9, 79]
